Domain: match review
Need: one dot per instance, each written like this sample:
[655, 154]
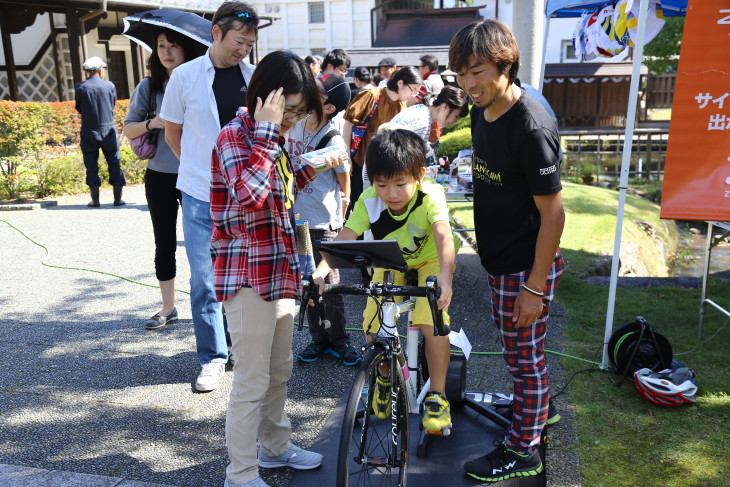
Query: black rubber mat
[472, 435]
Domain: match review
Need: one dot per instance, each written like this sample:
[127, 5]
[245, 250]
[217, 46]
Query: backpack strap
[151, 99]
[326, 139]
[367, 119]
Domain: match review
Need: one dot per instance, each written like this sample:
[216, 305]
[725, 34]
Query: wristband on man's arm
[532, 291]
[147, 125]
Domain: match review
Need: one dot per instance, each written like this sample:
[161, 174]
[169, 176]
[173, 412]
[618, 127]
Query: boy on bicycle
[404, 206]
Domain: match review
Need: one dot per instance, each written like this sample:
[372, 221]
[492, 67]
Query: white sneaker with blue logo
[257, 482]
[294, 457]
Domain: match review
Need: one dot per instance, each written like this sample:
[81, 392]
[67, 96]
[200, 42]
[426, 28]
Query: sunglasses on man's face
[248, 17]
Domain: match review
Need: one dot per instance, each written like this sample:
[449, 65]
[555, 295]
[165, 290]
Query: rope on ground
[43, 262]
[188, 292]
[474, 352]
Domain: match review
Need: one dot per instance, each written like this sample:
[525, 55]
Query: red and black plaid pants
[522, 349]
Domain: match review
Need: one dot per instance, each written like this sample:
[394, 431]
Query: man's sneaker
[294, 457]
[503, 463]
[381, 401]
[210, 376]
[347, 353]
[313, 351]
[553, 414]
[257, 482]
[437, 417]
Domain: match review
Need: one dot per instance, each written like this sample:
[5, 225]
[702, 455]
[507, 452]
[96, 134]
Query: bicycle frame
[409, 366]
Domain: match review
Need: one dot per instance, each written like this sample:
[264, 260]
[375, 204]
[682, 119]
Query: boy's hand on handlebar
[318, 282]
[446, 292]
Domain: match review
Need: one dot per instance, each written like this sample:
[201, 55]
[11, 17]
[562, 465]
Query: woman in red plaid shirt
[255, 261]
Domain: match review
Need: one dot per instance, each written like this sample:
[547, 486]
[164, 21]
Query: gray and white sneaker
[210, 376]
[294, 457]
[257, 482]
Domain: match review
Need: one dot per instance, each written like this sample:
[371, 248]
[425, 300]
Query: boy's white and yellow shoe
[381, 400]
[437, 417]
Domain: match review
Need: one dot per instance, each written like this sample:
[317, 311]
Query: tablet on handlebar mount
[363, 255]
[385, 254]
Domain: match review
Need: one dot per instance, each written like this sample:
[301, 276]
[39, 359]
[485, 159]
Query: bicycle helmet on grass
[669, 387]
[637, 345]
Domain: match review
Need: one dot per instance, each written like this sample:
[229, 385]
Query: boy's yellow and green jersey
[413, 229]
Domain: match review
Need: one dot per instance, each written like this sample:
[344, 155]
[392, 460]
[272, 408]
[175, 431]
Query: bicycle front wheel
[373, 450]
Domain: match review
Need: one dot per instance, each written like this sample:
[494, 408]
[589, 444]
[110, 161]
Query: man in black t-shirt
[518, 218]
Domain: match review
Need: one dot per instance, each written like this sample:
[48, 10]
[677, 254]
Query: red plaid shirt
[254, 239]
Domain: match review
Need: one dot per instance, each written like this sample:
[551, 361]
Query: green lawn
[624, 440]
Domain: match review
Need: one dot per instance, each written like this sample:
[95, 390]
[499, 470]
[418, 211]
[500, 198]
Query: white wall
[27, 43]
[346, 26]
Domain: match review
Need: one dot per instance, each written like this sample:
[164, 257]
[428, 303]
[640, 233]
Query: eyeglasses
[248, 17]
[414, 90]
[296, 115]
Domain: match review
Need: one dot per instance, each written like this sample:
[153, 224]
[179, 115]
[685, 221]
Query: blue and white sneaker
[294, 457]
[347, 353]
[313, 351]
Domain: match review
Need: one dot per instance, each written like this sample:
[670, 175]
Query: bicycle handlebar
[431, 292]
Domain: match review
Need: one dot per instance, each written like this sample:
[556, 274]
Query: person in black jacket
[95, 100]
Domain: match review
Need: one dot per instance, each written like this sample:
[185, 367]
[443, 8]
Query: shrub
[65, 126]
[61, 175]
[453, 142]
[463, 122]
[21, 140]
[39, 149]
[132, 167]
[14, 185]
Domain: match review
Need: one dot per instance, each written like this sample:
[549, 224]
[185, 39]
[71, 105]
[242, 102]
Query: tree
[661, 55]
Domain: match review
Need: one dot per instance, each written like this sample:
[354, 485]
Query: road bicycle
[374, 449]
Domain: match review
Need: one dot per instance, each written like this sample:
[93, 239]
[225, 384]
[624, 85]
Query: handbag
[145, 146]
[358, 131]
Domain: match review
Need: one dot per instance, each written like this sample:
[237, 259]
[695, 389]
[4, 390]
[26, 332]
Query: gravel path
[85, 390]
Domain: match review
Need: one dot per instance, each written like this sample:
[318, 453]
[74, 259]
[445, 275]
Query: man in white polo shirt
[201, 97]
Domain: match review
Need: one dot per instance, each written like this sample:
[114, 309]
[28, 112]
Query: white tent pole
[546, 29]
[625, 167]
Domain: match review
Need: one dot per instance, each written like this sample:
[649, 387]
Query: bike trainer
[442, 465]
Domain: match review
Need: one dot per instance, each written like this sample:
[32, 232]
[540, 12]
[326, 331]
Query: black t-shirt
[229, 89]
[514, 158]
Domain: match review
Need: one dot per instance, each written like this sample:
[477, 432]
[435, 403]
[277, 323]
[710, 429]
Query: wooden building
[589, 94]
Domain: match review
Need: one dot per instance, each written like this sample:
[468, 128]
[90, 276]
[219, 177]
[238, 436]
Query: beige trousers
[261, 335]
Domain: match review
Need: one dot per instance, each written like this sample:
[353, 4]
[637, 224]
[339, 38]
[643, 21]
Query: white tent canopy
[574, 8]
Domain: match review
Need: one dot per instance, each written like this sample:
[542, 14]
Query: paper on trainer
[460, 340]
[316, 158]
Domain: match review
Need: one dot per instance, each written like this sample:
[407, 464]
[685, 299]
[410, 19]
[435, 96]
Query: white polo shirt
[189, 101]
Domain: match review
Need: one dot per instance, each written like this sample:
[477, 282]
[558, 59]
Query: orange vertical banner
[697, 168]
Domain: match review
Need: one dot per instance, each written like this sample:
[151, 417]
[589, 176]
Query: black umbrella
[141, 27]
